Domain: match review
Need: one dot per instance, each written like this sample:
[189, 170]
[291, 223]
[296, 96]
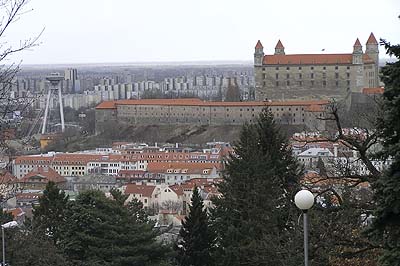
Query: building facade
[198, 112]
[315, 76]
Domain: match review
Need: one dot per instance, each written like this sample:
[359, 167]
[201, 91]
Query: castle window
[299, 67]
[324, 68]
[288, 83]
[300, 76]
[336, 67]
[263, 68]
[324, 75]
[337, 83]
[312, 68]
[312, 75]
[264, 76]
[276, 76]
[287, 68]
[300, 83]
[277, 84]
[324, 83]
[287, 76]
[348, 83]
[336, 75]
[348, 75]
[312, 82]
[276, 68]
[347, 67]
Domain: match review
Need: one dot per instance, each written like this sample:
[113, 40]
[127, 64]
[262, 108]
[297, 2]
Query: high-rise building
[71, 74]
[282, 76]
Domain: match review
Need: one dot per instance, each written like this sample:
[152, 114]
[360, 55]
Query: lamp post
[304, 200]
[5, 226]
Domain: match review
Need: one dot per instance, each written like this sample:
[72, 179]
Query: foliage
[255, 218]
[99, 231]
[49, 215]
[197, 239]
[386, 225]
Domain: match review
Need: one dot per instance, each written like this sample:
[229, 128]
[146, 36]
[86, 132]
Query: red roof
[357, 43]
[312, 59]
[279, 45]
[7, 177]
[46, 175]
[371, 39]
[259, 45]
[379, 90]
[144, 190]
[17, 212]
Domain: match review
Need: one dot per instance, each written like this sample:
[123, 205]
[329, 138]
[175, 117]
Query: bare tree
[12, 102]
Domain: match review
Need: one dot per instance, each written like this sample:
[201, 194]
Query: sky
[140, 31]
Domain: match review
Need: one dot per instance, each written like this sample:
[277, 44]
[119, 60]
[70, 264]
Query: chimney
[335, 150]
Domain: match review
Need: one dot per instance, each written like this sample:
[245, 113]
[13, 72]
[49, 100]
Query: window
[277, 84]
[276, 68]
[348, 75]
[348, 83]
[312, 75]
[287, 76]
[312, 68]
[276, 76]
[300, 83]
[263, 68]
[287, 68]
[324, 68]
[337, 83]
[324, 75]
[336, 67]
[312, 82]
[347, 67]
[336, 75]
[324, 83]
[299, 67]
[300, 76]
[288, 83]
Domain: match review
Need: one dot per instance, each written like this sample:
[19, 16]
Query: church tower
[258, 54]
[357, 53]
[372, 50]
[279, 48]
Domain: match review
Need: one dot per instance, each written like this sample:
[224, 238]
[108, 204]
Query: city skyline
[173, 31]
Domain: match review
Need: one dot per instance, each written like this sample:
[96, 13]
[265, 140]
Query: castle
[282, 76]
[197, 112]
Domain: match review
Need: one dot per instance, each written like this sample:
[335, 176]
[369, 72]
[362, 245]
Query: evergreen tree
[386, 226]
[194, 248]
[100, 231]
[49, 214]
[255, 217]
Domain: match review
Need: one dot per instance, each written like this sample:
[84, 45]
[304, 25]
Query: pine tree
[254, 218]
[49, 214]
[196, 242]
[386, 226]
[100, 231]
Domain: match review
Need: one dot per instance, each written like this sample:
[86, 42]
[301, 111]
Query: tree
[100, 231]
[49, 215]
[386, 225]
[11, 104]
[255, 218]
[233, 91]
[194, 248]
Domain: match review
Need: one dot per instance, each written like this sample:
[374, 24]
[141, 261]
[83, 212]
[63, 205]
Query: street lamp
[5, 226]
[304, 200]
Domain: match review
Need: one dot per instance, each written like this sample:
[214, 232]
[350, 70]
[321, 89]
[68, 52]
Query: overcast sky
[105, 31]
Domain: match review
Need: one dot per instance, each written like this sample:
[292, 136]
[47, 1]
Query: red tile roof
[183, 167]
[379, 90]
[357, 43]
[279, 45]
[312, 59]
[259, 45]
[6, 178]
[144, 190]
[371, 39]
[47, 174]
[17, 212]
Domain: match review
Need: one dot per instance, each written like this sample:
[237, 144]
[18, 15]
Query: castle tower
[279, 48]
[357, 53]
[258, 54]
[372, 50]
